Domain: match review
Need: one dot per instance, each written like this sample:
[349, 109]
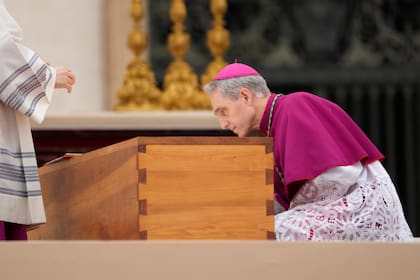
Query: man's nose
[224, 124]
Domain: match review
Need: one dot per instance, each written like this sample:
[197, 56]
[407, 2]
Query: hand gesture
[64, 78]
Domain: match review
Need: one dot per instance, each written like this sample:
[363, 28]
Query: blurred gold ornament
[218, 41]
[139, 91]
[181, 89]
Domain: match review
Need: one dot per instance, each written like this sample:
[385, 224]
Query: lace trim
[327, 211]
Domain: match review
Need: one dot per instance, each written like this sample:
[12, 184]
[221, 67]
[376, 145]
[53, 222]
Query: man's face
[235, 115]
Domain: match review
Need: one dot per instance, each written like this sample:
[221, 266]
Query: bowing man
[329, 181]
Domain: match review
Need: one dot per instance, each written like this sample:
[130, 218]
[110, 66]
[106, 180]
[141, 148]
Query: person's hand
[64, 78]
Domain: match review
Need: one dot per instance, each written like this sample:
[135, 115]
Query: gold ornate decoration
[180, 88]
[139, 91]
[217, 40]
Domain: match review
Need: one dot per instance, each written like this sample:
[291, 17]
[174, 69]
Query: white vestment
[26, 86]
[345, 203]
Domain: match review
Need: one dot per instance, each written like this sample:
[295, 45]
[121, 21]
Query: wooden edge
[128, 145]
[141, 148]
[269, 207]
[142, 176]
[269, 176]
[269, 147]
[208, 140]
[143, 206]
[143, 235]
[271, 235]
[33, 227]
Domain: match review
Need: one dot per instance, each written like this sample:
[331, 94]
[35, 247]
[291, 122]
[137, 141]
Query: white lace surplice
[345, 203]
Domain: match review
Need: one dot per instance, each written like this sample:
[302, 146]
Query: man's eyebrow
[219, 110]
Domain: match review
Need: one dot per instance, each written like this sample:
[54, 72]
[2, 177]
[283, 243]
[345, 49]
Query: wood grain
[206, 191]
[93, 196]
[161, 188]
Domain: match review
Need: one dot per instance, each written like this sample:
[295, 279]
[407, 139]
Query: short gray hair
[230, 87]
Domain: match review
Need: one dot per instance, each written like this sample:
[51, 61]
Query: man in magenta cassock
[329, 181]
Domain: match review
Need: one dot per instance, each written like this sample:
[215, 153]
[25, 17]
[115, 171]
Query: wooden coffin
[162, 188]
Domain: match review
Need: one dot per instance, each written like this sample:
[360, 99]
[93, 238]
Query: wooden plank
[93, 196]
[208, 157]
[185, 140]
[233, 223]
[206, 191]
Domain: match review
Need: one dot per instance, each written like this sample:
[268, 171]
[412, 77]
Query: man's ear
[246, 95]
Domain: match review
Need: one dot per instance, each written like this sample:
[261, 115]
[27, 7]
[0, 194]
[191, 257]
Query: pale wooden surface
[230, 260]
[203, 188]
[92, 196]
[206, 191]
